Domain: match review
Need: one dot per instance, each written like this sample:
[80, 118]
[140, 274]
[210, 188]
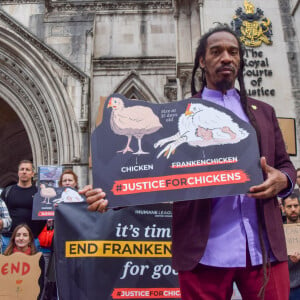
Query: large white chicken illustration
[132, 121]
[69, 196]
[202, 126]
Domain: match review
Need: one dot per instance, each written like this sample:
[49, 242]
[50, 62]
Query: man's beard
[293, 219]
[224, 85]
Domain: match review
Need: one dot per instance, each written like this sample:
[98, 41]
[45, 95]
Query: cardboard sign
[192, 149]
[292, 237]
[19, 275]
[288, 129]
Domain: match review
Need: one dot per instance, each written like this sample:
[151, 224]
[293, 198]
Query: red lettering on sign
[15, 268]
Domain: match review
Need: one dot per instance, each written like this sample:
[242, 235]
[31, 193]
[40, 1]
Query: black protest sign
[47, 198]
[150, 153]
[122, 254]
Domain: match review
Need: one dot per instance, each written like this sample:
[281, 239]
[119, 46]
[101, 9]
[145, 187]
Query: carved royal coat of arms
[252, 26]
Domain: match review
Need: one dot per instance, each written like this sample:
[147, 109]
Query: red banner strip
[179, 181]
[146, 293]
[46, 213]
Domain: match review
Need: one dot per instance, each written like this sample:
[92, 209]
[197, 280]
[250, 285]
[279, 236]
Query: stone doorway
[14, 142]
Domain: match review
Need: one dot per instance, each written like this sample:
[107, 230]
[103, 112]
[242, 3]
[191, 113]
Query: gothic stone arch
[133, 87]
[29, 84]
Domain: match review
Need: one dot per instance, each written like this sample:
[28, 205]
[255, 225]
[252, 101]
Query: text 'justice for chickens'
[146, 293]
[175, 182]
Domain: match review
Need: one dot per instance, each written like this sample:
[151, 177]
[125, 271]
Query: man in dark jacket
[240, 238]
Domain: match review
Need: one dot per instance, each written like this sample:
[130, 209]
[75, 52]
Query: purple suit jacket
[191, 219]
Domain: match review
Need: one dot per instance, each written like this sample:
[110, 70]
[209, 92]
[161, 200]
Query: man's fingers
[85, 189]
[94, 206]
[94, 195]
[275, 182]
[95, 198]
[263, 163]
[264, 190]
[99, 205]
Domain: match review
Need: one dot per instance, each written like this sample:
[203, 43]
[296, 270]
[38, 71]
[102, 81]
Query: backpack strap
[6, 192]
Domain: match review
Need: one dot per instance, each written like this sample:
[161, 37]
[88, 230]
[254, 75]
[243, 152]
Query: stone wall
[145, 50]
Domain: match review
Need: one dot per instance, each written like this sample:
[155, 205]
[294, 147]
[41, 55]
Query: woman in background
[68, 179]
[22, 241]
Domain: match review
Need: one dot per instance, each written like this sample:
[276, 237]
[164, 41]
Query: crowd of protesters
[20, 233]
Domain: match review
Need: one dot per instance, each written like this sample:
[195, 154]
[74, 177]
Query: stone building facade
[59, 58]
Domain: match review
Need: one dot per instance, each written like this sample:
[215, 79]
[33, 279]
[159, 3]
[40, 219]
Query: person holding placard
[68, 179]
[291, 207]
[232, 239]
[22, 240]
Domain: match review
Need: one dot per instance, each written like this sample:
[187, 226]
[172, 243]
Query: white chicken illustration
[47, 193]
[69, 196]
[202, 126]
[132, 121]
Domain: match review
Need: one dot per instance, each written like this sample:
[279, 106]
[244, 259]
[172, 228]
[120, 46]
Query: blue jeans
[5, 242]
[295, 293]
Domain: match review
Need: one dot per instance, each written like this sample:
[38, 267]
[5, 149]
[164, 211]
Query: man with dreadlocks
[240, 239]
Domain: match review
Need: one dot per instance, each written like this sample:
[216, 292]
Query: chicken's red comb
[187, 111]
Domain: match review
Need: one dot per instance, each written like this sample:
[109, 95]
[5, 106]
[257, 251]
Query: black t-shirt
[19, 203]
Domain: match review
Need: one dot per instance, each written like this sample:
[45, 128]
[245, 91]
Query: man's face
[298, 178]
[25, 172]
[222, 61]
[292, 209]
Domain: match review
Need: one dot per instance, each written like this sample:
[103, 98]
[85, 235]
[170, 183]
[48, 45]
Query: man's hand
[295, 257]
[276, 182]
[95, 198]
[1, 224]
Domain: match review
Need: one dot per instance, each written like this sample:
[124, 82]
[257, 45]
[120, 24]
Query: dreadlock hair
[200, 52]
